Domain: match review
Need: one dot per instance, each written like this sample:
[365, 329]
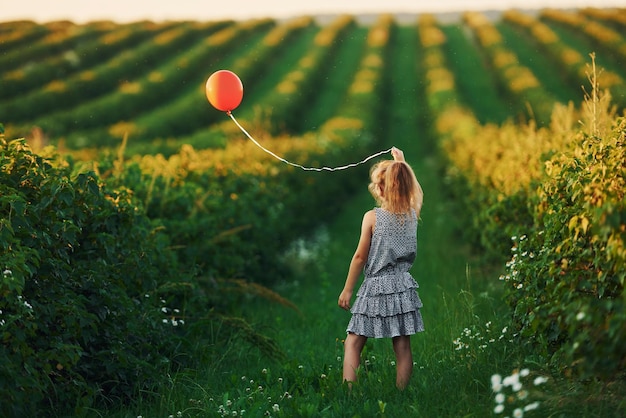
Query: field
[157, 263]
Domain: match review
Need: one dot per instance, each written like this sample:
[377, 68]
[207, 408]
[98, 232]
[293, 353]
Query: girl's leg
[352, 355]
[404, 360]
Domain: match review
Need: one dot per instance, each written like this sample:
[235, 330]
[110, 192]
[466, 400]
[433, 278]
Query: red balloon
[224, 90]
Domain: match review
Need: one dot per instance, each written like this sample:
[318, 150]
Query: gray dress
[387, 303]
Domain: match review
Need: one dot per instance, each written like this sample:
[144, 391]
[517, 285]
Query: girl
[387, 304]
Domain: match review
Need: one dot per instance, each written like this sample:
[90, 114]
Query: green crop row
[20, 33]
[188, 112]
[608, 40]
[49, 76]
[134, 97]
[517, 80]
[281, 106]
[69, 38]
[569, 60]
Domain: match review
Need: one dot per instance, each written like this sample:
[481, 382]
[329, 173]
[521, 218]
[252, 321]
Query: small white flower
[496, 382]
[275, 407]
[323, 376]
[540, 380]
[500, 398]
[511, 380]
[7, 272]
[498, 409]
[524, 372]
[518, 413]
[580, 316]
[531, 406]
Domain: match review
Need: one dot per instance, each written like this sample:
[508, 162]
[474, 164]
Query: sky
[82, 11]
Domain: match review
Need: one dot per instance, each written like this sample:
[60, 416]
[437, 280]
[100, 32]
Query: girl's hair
[395, 187]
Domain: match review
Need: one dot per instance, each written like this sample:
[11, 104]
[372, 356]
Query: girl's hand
[397, 154]
[344, 299]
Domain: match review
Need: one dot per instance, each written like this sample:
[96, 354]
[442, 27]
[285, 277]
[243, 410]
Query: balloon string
[298, 165]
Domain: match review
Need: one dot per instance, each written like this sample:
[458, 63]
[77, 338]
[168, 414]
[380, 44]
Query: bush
[79, 315]
[566, 277]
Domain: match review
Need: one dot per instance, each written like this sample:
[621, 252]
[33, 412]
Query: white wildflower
[531, 406]
[496, 383]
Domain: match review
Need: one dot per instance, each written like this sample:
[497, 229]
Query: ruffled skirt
[387, 306]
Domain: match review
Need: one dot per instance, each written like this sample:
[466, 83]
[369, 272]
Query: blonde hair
[395, 187]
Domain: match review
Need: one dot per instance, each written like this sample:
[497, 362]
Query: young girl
[387, 305]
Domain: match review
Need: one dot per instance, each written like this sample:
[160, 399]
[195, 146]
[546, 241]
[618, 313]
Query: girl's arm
[358, 259]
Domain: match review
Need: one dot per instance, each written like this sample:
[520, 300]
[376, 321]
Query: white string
[298, 165]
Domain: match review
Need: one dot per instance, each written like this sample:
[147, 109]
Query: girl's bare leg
[352, 355]
[404, 360]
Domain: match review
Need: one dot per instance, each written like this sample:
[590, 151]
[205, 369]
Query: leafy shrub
[566, 277]
[559, 191]
[81, 267]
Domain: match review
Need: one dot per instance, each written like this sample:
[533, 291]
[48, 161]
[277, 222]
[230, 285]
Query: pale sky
[81, 11]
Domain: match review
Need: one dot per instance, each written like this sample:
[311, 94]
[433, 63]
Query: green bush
[566, 277]
[80, 318]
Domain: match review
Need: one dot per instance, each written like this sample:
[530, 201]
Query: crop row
[568, 59]
[609, 40]
[52, 73]
[516, 79]
[152, 90]
[57, 42]
[188, 112]
[135, 96]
